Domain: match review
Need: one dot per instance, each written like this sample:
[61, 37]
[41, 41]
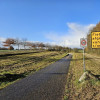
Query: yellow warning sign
[95, 39]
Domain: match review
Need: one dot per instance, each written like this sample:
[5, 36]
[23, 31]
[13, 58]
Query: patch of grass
[77, 90]
[92, 66]
[65, 98]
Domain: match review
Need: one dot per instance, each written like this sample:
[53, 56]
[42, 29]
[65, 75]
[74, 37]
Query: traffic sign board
[95, 39]
[83, 42]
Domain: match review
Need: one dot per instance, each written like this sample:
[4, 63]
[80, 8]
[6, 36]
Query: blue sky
[61, 22]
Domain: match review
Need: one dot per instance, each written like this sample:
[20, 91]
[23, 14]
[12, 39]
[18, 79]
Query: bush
[11, 48]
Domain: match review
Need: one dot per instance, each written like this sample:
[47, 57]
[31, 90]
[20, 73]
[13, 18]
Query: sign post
[83, 44]
[83, 60]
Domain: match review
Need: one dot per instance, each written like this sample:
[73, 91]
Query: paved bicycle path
[45, 84]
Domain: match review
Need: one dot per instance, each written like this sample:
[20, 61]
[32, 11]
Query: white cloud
[2, 39]
[72, 37]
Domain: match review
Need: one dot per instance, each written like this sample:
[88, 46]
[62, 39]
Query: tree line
[11, 44]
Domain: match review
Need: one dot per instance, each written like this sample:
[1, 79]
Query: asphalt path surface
[45, 84]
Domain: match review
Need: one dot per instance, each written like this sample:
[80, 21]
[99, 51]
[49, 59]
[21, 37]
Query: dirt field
[88, 89]
[15, 67]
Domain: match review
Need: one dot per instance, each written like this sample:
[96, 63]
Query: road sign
[95, 39]
[83, 42]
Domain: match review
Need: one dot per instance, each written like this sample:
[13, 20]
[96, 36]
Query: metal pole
[83, 60]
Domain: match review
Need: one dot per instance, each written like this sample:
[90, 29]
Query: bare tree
[33, 45]
[41, 45]
[9, 42]
[28, 45]
[24, 42]
[17, 42]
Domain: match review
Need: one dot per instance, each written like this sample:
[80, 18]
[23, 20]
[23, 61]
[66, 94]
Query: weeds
[87, 89]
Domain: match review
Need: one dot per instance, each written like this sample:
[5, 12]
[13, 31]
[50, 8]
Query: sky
[61, 22]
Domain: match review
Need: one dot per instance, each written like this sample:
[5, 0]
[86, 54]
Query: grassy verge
[87, 90]
[13, 68]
